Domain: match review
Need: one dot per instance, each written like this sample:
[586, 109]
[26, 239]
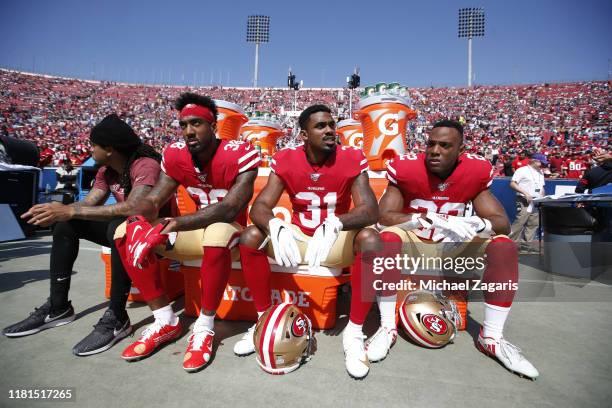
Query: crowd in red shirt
[567, 122]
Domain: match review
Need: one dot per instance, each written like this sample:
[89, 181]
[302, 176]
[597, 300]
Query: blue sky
[411, 42]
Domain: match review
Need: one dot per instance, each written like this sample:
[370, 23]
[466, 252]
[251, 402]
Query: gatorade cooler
[315, 295]
[384, 119]
[262, 133]
[229, 120]
[350, 133]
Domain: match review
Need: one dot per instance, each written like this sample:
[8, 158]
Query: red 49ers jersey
[210, 185]
[575, 168]
[318, 192]
[424, 192]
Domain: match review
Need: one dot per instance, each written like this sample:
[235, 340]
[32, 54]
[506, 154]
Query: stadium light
[293, 84]
[352, 83]
[471, 24]
[258, 31]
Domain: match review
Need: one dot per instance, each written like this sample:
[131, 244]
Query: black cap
[112, 131]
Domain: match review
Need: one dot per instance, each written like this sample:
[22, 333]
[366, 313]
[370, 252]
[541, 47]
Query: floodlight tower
[258, 31]
[471, 24]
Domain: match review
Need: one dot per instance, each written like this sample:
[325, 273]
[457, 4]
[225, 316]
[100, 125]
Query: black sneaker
[105, 334]
[40, 319]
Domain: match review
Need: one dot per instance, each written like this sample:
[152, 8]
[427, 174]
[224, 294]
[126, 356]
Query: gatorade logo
[252, 134]
[387, 124]
[354, 138]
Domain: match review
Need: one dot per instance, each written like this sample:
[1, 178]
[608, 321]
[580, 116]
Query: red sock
[502, 267]
[148, 279]
[362, 283]
[257, 274]
[392, 246]
[214, 274]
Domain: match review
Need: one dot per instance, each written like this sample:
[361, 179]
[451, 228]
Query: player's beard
[201, 146]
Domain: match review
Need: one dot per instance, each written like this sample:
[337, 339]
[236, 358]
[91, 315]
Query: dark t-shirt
[144, 172]
[596, 177]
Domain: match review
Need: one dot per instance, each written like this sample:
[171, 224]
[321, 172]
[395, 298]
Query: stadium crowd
[568, 122]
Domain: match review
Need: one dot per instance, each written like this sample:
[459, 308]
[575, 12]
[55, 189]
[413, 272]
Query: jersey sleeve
[363, 161]
[100, 182]
[277, 162]
[248, 157]
[144, 172]
[170, 161]
[391, 171]
[517, 176]
[487, 175]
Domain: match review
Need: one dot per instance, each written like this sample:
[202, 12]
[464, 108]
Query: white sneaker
[508, 354]
[245, 346]
[378, 346]
[355, 357]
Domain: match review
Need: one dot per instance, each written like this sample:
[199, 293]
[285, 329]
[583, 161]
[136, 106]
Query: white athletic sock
[353, 330]
[205, 321]
[166, 315]
[494, 320]
[386, 306]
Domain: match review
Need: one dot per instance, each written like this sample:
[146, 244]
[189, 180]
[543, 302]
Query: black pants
[65, 249]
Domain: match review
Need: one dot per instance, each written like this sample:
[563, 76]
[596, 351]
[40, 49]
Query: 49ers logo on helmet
[299, 325]
[434, 324]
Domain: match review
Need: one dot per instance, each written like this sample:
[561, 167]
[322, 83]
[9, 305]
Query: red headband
[191, 109]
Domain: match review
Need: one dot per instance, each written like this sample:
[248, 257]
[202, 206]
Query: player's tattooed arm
[488, 207]
[91, 209]
[108, 212]
[150, 205]
[95, 196]
[236, 200]
[365, 211]
[391, 205]
[261, 211]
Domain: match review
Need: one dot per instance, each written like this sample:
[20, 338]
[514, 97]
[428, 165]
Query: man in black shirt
[597, 176]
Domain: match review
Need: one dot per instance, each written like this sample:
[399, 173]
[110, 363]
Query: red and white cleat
[151, 338]
[508, 354]
[378, 346]
[199, 350]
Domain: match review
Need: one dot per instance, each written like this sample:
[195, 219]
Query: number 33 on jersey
[423, 191]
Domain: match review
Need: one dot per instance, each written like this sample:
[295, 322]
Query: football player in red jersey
[219, 175]
[575, 166]
[425, 203]
[320, 178]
